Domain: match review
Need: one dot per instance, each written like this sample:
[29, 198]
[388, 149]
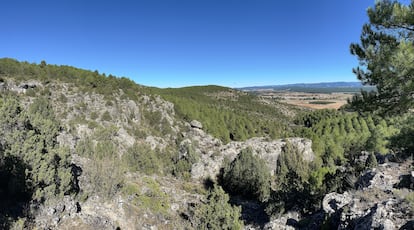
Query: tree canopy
[386, 58]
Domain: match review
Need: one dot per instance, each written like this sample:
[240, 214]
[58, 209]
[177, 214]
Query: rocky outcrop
[213, 153]
[375, 205]
[332, 202]
[21, 87]
[287, 221]
[389, 214]
[383, 177]
[51, 215]
[267, 150]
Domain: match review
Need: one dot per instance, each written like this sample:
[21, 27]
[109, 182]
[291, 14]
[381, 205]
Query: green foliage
[85, 80]
[94, 115]
[106, 116]
[371, 161]
[292, 184]
[148, 195]
[341, 136]
[159, 125]
[217, 213]
[30, 135]
[410, 199]
[105, 168]
[247, 175]
[386, 54]
[184, 161]
[225, 113]
[403, 141]
[142, 158]
[339, 139]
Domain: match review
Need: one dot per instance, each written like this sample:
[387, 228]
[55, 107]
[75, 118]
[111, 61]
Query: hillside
[83, 150]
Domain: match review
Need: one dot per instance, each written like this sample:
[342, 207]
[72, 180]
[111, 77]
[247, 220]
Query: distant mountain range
[313, 87]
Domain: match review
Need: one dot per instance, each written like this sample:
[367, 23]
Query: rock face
[213, 153]
[375, 205]
[20, 88]
[269, 151]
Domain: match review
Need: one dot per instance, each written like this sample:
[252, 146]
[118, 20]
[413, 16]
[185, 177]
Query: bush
[31, 135]
[106, 116]
[142, 158]
[217, 213]
[403, 141]
[185, 160]
[292, 187]
[248, 176]
[371, 161]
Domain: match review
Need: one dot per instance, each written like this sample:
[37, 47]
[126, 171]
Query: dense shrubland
[34, 169]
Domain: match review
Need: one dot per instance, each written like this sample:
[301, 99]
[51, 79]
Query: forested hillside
[228, 114]
[75, 139]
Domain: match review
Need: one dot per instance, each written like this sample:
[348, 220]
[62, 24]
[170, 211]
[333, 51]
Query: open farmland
[309, 100]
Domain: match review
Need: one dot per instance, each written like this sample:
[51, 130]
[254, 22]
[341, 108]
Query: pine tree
[386, 54]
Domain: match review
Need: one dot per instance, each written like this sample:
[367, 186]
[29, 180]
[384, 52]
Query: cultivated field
[309, 100]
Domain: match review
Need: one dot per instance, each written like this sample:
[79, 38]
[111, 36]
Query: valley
[308, 100]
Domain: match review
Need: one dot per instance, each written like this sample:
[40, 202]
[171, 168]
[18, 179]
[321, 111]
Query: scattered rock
[384, 177]
[288, 221]
[375, 205]
[196, 124]
[332, 202]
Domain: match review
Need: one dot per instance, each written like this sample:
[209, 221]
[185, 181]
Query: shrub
[142, 158]
[185, 160]
[247, 175]
[217, 213]
[106, 116]
[371, 161]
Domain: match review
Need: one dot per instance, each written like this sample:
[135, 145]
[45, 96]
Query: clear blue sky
[172, 43]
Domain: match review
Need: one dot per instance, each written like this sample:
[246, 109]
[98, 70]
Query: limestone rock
[287, 221]
[332, 202]
[375, 205]
[384, 177]
[196, 124]
[213, 152]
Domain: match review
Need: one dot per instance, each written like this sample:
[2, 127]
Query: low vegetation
[217, 213]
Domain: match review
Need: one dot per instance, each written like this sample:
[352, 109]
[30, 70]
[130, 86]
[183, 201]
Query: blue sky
[173, 43]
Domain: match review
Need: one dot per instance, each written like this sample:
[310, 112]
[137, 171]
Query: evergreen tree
[247, 175]
[386, 54]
